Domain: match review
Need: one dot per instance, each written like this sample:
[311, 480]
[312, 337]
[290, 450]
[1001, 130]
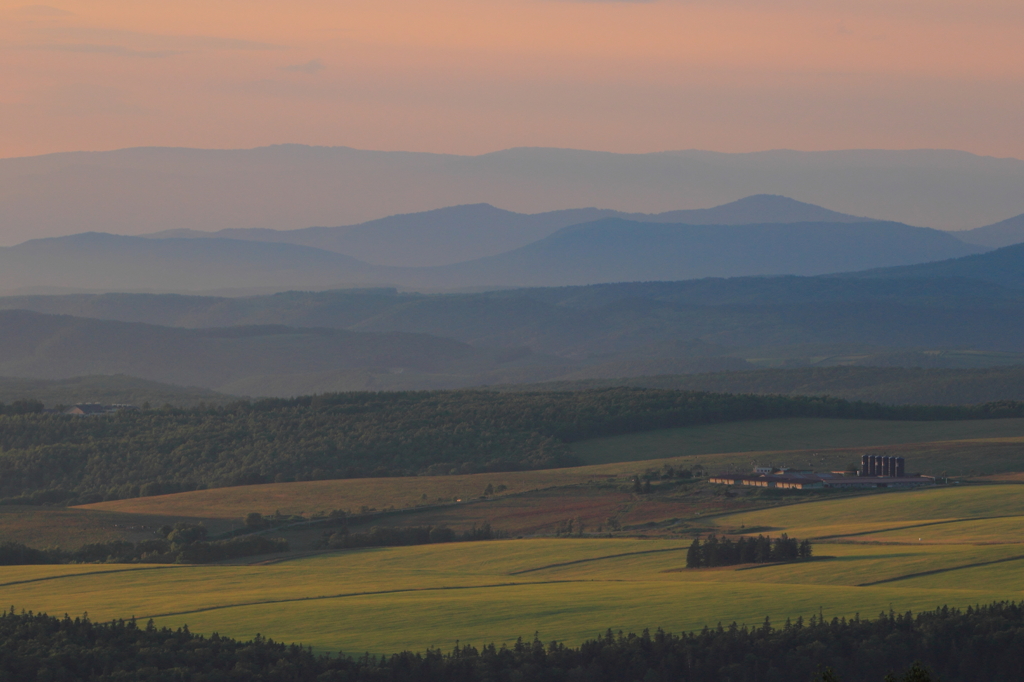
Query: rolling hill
[537, 307]
[966, 312]
[1003, 233]
[616, 250]
[635, 329]
[1003, 267]
[105, 262]
[238, 360]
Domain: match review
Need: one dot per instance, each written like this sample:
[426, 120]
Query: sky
[475, 76]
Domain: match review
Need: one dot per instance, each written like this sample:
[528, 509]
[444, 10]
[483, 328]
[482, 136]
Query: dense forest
[981, 643]
[48, 459]
[19, 407]
[385, 536]
[760, 550]
[109, 389]
[914, 383]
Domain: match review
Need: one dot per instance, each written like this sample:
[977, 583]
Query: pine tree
[693, 555]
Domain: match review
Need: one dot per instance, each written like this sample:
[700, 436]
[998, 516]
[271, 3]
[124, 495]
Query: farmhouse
[96, 409]
[756, 480]
[876, 472]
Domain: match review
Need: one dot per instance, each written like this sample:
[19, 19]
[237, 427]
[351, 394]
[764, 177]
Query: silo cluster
[882, 466]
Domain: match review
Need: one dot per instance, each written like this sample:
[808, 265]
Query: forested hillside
[945, 644]
[117, 389]
[56, 458]
[889, 385]
[1003, 267]
[612, 331]
[250, 360]
[587, 321]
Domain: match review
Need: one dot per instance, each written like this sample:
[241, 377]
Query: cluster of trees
[981, 643]
[760, 550]
[22, 407]
[407, 535]
[182, 543]
[52, 459]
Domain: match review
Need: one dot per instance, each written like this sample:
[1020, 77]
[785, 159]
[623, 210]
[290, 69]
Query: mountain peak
[759, 209]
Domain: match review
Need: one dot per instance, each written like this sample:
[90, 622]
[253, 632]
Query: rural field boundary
[346, 595]
[598, 558]
[919, 525]
[942, 570]
[76, 575]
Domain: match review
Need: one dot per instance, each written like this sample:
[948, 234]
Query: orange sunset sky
[472, 76]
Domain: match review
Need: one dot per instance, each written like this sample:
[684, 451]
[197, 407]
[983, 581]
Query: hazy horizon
[698, 150]
[145, 190]
[466, 77]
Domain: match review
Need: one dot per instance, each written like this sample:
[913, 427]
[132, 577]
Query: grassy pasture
[70, 528]
[350, 494]
[386, 599]
[540, 512]
[393, 598]
[975, 531]
[853, 518]
[1009, 477]
[1009, 574]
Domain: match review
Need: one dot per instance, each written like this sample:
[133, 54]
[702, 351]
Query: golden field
[386, 599]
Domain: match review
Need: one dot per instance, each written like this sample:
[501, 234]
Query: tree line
[384, 536]
[979, 643]
[22, 407]
[760, 550]
[60, 459]
[182, 543]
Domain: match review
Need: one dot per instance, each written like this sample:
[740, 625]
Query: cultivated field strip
[386, 599]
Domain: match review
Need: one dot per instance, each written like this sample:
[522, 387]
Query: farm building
[96, 409]
[876, 472]
[769, 481]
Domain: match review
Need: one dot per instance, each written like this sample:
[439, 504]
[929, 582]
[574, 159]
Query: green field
[943, 514]
[71, 528]
[386, 599]
[310, 497]
[787, 434]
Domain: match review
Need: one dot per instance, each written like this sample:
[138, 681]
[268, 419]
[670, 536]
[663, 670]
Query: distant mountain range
[616, 250]
[461, 233]
[566, 296]
[965, 312]
[556, 252]
[145, 190]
